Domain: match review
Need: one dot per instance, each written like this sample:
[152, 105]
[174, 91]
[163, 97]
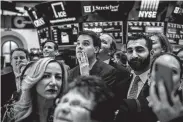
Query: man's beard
[138, 64]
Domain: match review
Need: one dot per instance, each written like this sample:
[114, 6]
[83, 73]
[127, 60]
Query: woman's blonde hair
[23, 111]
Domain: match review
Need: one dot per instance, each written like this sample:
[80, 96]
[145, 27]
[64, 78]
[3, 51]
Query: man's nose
[65, 109]
[134, 54]
[80, 46]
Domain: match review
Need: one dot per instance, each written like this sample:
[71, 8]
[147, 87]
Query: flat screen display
[65, 34]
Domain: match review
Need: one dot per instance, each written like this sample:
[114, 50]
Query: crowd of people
[145, 84]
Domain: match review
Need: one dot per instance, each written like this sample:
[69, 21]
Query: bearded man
[132, 93]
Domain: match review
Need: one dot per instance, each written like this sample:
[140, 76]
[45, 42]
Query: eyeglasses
[75, 104]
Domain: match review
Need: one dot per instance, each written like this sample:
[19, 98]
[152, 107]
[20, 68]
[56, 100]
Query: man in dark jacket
[131, 94]
[88, 46]
[106, 54]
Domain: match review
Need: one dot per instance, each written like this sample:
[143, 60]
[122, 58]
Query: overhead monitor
[114, 28]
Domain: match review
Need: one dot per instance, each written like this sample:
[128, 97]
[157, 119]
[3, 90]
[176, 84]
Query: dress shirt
[107, 61]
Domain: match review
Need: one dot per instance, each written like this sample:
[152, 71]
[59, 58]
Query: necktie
[134, 88]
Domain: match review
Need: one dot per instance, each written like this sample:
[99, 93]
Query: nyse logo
[148, 8]
[147, 14]
[87, 9]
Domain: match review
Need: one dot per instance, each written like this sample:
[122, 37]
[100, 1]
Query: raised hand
[161, 107]
[83, 63]
[35, 74]
[21, 66]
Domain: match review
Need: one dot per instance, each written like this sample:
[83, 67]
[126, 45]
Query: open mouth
[52, 91]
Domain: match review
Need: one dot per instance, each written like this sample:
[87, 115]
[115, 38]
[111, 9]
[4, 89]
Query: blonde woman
[45, 80]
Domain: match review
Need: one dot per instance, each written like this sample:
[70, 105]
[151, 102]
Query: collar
[91, 66]
[16, 74]
[107, 61]
[144, 76]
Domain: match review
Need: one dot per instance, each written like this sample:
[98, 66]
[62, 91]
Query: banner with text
[114, 28]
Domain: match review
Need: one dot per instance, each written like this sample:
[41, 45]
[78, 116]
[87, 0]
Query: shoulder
[179, 119]
[105, 66]
[73, 73]
[73, 69]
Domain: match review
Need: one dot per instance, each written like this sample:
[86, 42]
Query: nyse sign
[148, 9]
[147, 14]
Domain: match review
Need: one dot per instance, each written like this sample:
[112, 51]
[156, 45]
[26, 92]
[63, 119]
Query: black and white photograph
[91, 61]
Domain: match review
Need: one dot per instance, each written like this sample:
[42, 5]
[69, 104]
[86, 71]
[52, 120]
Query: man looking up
[108, 48]
[87, 48]
[50, 49]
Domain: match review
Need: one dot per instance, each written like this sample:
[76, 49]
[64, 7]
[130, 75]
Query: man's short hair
[20, 49]
[94, 36]
[93, 87]
[48, 40]
[134, 37]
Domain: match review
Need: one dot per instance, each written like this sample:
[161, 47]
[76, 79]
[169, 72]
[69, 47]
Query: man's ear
[152, 53]
[163, 49]
[96, 49]
[56, 53]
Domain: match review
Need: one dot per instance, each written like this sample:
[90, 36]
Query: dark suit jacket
[100, 69]
[8, 86]
[122, 72]
[179, 119]
[133, 110]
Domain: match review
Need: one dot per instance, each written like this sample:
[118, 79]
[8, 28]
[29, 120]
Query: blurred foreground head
[172, 62]
[160, 44]
[87, 100]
